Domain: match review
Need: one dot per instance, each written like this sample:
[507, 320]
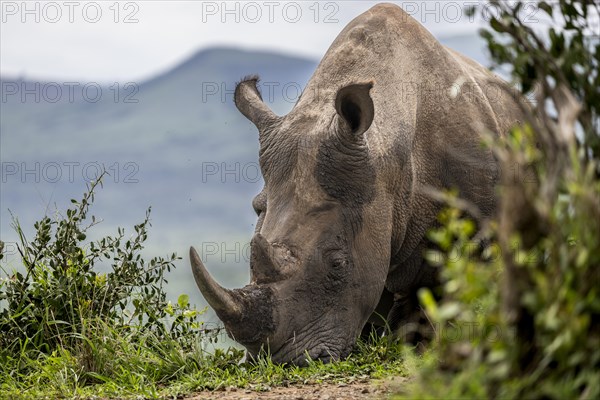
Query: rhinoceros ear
[354, 105]
[249, 101]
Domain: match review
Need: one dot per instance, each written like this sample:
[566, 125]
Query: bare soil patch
[324, 391]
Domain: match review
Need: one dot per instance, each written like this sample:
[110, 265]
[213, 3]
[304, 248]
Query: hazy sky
[107, 41]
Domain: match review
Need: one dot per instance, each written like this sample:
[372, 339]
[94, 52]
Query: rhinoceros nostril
[283, 255]
[271, 262]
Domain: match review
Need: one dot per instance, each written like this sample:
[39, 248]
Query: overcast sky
[107, 41]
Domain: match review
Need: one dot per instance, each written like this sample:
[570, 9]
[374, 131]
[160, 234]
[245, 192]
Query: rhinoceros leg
[407, 319]
[377, 323]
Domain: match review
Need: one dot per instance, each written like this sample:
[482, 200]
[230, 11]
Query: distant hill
[156, 146]
[180, 104]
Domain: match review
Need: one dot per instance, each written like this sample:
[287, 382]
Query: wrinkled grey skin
[343, 215]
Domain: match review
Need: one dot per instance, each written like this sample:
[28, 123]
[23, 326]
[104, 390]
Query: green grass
[117, 366]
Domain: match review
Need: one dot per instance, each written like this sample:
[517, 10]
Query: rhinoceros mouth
[294, 353]
[302, 359]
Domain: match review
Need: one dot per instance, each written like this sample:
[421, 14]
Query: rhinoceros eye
[337, 271]
[341, 263]
[338, 259]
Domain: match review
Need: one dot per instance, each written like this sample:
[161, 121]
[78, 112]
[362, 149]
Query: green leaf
[183, 300]
[428, 301]
[435, 258]
[449, 310]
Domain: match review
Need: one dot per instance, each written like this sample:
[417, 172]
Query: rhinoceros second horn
[249, 101]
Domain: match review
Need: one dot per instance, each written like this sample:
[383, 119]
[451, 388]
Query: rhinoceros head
[321, 249]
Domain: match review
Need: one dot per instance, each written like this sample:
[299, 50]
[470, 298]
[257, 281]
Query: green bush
[521, 319]
[62, 304]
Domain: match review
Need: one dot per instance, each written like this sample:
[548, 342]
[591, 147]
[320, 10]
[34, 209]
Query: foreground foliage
[64, 316]
[521, 318]
[63, 296]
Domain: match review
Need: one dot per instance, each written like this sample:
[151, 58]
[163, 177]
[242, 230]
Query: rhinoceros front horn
[220, 299]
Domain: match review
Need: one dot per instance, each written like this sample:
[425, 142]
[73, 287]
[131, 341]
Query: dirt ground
[325, 391]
